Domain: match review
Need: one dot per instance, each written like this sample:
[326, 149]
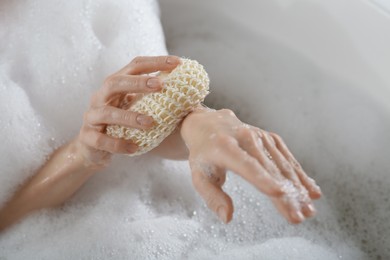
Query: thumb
[207, 182]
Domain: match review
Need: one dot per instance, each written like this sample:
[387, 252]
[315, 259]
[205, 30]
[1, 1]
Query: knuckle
[128, 116]
[227, 112]
[269, 139]
[160, 59]
[275, 192]
[256, 129]
[296, 164]
[136, 63]
[275, 187]
[105, 111]
[286, 166]
[135, 81]
[276, 137]
[224, 140]
[259, 143]
[109, 82]
[260, 133]
[246, 133]
[137, 60]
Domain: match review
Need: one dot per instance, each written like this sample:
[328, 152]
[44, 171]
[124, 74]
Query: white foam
[56, 54]
[23, 146]
[338, 131]
[274, 249]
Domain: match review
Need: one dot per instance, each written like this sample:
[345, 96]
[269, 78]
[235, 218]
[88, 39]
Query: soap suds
[58, 52]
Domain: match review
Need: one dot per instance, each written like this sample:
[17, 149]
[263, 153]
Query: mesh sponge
[184, 89]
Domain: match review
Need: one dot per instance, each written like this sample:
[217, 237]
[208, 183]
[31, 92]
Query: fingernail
[318, 189]
[145, 120]
[222, 214]
[311, 208]
[314, 187]
[153, 83]
[298, 216]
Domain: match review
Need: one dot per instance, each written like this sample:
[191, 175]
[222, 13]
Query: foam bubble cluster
[56, 53]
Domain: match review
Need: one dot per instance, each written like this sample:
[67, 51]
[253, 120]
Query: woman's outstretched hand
[120, 87]
[218, 141]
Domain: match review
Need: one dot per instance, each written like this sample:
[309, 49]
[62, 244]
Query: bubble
[146, 208]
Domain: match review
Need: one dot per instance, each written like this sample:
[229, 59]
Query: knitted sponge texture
[184, 89]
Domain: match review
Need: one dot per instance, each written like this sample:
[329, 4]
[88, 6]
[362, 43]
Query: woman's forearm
[74, 163]
[62, 175]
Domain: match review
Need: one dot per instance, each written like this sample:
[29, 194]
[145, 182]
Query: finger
[104, 142]
[123, 84]
[281, 162]
[109, 115]
[288, 212]
[297, 199]
[146, 64]
[251, 142]
[232, 157]
[308, 209]
[288, 171]
[309, 183]
[211, 192]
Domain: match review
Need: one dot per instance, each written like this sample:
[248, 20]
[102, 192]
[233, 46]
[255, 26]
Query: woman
[212, 141]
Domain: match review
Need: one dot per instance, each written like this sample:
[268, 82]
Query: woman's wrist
[190, 125]
[88, 157]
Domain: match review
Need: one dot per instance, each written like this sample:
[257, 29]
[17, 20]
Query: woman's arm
[217, 141]
[74, 163]
[62, 175]
[214, 141]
